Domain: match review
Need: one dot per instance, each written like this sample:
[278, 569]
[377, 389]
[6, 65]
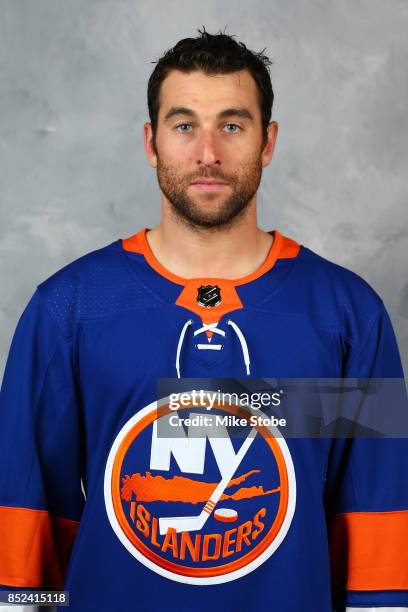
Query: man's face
[209, 129]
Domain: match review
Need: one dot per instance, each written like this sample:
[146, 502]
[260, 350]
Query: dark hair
[212, 54]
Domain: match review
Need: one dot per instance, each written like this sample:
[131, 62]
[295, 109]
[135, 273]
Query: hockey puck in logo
[226, 515]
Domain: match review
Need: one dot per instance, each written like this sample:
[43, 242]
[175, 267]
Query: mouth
[208, 185]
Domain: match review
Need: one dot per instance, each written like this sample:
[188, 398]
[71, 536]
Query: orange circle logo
[201, 506]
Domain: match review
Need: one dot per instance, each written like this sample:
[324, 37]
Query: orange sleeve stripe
[34, 547]
[369, 550]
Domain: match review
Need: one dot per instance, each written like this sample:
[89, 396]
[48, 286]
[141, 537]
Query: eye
[234, 125]
[183, 125]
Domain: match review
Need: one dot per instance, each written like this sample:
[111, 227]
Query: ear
[149, 144]
[272, 133]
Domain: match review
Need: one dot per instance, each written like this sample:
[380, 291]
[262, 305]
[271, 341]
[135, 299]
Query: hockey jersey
[94, 500]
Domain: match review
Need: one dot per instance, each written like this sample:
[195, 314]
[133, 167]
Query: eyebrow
[241, 112]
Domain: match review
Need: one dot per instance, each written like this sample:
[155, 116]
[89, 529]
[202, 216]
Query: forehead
[208, 93]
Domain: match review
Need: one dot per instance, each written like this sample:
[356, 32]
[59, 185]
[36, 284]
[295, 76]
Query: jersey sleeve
[41, 499]
[367, 493]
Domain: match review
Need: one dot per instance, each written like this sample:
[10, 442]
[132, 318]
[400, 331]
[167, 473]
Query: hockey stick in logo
[195, 523]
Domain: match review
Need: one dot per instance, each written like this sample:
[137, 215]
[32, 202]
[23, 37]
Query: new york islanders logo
[200, 509]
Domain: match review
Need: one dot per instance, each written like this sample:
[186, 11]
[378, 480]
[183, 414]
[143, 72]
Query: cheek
[170, 144]
[239, 151]
[241, 164]
[175, 154]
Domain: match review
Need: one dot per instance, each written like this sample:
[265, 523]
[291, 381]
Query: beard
[209, 210]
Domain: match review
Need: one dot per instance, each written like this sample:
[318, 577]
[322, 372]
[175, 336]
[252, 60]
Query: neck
[230, 252]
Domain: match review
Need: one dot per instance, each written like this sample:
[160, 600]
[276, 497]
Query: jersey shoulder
[343, 298]
[332, 277]
[94, 285]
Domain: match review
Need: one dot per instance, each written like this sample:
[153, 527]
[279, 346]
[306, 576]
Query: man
[176, 521]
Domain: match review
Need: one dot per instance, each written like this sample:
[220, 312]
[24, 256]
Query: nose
[207, 150]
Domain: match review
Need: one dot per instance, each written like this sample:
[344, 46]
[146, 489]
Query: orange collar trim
[282, 247]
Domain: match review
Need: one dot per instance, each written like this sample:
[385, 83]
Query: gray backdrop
[73, 174]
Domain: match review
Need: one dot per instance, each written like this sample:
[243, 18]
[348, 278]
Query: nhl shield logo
[209, 295]
[199, 510]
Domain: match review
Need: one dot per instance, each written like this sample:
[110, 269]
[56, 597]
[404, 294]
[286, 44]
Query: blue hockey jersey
[94, 500]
